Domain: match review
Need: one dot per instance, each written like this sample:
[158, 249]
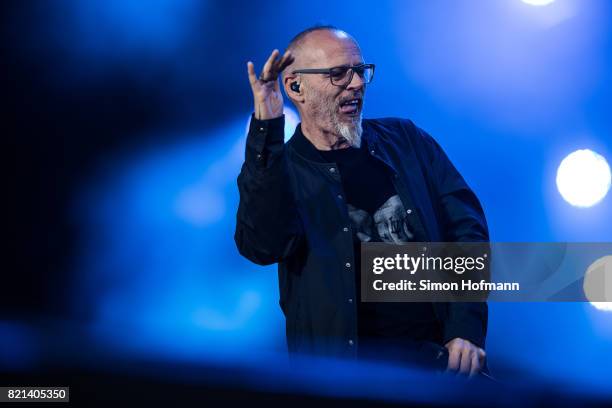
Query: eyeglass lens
[343, 75]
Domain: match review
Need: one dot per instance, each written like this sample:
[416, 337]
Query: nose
[356, 81]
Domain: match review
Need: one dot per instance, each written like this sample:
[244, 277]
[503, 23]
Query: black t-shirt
[378, 215]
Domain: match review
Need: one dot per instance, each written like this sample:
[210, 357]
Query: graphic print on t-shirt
[387, 224]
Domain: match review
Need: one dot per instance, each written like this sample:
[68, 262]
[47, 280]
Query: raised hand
[267, 96]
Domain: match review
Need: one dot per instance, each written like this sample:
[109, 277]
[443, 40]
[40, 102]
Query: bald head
[318, 46]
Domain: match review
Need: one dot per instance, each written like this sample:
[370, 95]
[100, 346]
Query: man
[339, 181]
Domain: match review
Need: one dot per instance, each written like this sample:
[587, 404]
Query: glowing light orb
[583, 178]
[597, 283]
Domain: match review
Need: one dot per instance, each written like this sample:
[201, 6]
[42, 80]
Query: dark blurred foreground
[65, 355]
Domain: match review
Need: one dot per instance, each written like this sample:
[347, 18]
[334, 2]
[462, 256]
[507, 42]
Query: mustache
[358, 96]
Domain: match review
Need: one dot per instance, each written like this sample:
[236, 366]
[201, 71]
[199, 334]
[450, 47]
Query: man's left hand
[464, 357]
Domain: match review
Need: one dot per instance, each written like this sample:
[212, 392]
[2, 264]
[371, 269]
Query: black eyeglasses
[343, 75]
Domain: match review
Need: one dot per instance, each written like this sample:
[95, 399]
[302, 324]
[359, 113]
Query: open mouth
[350, 106]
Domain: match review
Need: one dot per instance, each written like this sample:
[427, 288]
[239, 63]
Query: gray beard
[351, 132]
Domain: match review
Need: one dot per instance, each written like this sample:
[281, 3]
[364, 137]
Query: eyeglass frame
[328, 72]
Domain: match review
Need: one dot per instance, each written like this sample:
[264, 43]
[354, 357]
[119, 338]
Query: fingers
[285, 61]
[462, 361]
[271, 68]
[454, 359]
[275, 65]
[482, 356]
[251, 72]
[278, 65]
[466, 361]
[267, 68]
[464, 357]
[476, 365]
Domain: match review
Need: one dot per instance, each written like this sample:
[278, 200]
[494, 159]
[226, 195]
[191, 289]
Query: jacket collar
[305, 148]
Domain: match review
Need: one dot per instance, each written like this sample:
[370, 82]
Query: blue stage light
[159, 260]
[538, 2]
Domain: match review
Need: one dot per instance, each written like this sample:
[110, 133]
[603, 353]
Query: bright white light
[291, 121]
[538, 2]
[583, 178]
[605, 306]
[597, 284]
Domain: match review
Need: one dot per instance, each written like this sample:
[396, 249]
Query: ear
[297, 96]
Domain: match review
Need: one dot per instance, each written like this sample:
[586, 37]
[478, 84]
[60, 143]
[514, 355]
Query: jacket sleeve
[268, 227]
[463, 220]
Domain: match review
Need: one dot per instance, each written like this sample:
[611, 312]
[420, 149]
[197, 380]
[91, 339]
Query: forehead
[330, 48]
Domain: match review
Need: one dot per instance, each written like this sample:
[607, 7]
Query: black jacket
[292, 212]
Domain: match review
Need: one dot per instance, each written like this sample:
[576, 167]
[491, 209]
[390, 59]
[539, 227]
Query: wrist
[265, 112]
[268, 116]
[276, 122]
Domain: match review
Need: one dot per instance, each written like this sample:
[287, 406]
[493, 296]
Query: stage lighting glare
[605, 306]
[583, 178]
[538, 2]
[597, 283]
[292, 119]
